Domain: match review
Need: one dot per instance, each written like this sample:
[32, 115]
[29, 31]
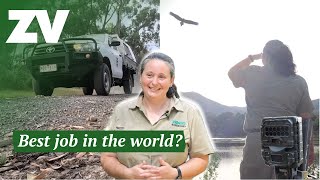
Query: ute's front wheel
[40, 88]
[102, 80]
[87, 90]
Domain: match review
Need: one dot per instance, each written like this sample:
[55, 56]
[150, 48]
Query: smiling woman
[158, 107]
[156, 79]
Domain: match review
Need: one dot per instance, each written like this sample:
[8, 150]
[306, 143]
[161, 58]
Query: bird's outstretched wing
[191, 22]
[176, 16]
[182, 21]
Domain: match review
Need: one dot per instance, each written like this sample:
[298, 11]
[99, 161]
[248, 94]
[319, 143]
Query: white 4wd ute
[94, 62]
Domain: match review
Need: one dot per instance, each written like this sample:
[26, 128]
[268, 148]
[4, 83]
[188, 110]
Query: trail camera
[282, 145]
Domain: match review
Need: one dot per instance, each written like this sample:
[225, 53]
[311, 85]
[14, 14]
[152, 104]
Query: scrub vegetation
[211, 172]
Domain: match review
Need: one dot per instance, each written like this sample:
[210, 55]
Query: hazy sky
[228, 32]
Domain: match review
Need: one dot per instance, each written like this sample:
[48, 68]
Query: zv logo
[25, 17]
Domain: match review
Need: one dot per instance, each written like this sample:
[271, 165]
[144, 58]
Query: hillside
[222, 120]
[210, 106]
[227, 121]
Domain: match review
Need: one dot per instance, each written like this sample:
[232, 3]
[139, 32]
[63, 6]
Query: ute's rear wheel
[128, 84]
[40, 88]
[102, 80]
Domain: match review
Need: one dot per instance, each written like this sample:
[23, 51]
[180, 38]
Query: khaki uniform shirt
[269, 94]
[130, 115]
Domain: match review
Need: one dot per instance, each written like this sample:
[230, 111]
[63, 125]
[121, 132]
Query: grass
[16, 93]
[67, 91]
[30, 93]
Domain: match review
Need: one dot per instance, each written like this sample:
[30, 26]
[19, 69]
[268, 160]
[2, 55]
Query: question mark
[179, 136]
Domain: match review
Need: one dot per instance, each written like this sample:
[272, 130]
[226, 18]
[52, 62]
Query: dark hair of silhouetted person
[280, 58]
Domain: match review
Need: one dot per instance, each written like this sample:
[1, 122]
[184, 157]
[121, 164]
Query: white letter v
[51, 35]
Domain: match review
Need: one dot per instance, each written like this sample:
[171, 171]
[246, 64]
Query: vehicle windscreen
[97, 37]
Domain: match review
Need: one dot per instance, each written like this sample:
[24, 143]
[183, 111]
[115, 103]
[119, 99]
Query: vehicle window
[126, 48]
[109, 40]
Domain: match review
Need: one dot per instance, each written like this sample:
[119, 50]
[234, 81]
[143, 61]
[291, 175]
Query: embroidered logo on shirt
[178, 123]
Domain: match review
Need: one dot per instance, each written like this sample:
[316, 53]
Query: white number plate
[48, 68]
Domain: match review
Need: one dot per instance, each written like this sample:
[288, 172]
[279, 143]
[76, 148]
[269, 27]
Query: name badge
[178, 123]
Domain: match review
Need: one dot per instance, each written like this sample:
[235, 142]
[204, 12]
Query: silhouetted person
[271, 90]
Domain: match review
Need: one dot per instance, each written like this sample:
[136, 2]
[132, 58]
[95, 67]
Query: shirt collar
[174, 103]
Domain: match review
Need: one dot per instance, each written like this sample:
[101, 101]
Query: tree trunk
[119, 14]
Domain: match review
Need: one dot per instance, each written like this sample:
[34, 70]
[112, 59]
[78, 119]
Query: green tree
[144, 30]
[135, 21]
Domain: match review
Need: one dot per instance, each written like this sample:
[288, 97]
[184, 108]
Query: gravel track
[54, 113]
[40, 112]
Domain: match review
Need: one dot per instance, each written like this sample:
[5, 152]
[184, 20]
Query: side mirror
[115, 43]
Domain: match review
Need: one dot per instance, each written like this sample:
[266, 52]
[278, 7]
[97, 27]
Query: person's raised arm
[236, 79]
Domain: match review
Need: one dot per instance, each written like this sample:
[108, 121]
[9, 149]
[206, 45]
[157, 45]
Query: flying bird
[182, 21]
